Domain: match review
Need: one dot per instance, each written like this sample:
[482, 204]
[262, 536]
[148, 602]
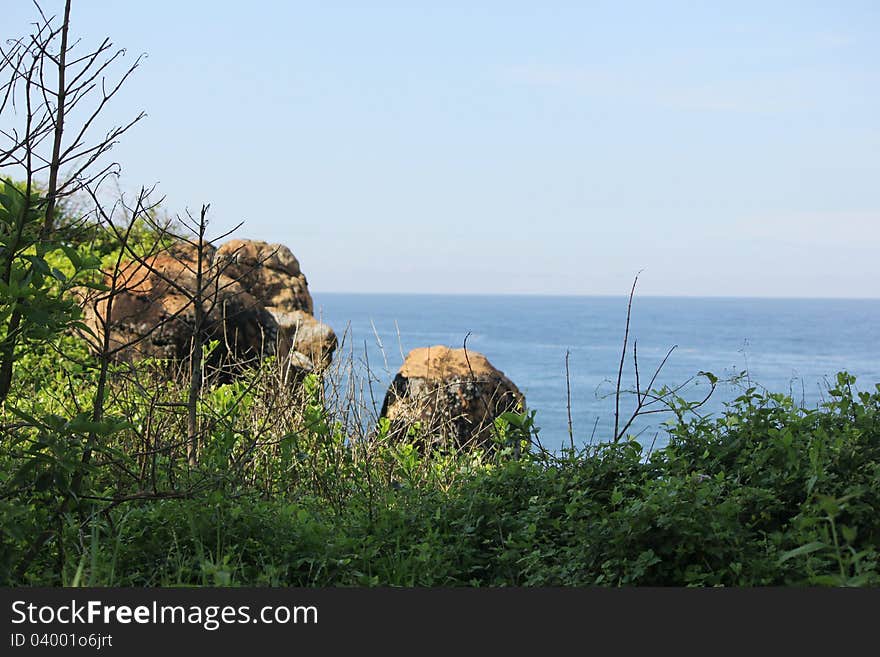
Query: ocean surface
[795, 346]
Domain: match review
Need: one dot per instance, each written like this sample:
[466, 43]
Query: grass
[766, 493]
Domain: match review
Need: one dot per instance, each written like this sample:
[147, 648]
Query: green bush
[765, 494]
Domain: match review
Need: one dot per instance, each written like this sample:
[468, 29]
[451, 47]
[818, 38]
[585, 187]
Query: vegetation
[765, 494]
[155, 473]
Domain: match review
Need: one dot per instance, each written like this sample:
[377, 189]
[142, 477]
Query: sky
[722, 149]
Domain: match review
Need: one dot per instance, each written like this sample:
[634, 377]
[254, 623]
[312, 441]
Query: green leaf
[829, 505]
[712, 378]
[7, 203]
[809, 548]
[849, 533]
[72, 255]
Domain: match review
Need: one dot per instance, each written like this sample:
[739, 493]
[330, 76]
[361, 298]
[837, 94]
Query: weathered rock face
[299, 332]
[454, 395]
[259, 305]
[152, 314]
[270, 272]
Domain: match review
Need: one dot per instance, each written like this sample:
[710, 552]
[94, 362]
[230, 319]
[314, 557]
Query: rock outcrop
[152, 314]
[271, 273]
[452, 395]
[257, 304]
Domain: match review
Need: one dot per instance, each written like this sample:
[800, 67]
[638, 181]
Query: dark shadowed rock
[454, 395]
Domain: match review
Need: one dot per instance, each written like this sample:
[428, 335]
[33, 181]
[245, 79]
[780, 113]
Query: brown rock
[263, 306]
[152, 314]
[270, 272]
[454, 395]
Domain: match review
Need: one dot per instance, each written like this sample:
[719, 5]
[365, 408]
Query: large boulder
[152, 314]
[271, 273]
[452, 395]
[259, 304]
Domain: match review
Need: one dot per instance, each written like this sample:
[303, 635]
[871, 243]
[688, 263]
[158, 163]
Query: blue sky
[503, 147]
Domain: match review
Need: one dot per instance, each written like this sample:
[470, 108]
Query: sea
[564, 352]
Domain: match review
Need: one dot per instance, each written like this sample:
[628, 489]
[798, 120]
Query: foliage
[765, 494]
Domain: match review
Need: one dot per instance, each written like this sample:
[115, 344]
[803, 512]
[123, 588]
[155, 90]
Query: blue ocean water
[793, 346]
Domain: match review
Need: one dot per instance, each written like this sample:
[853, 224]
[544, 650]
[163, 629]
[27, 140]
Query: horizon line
[596, 295]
